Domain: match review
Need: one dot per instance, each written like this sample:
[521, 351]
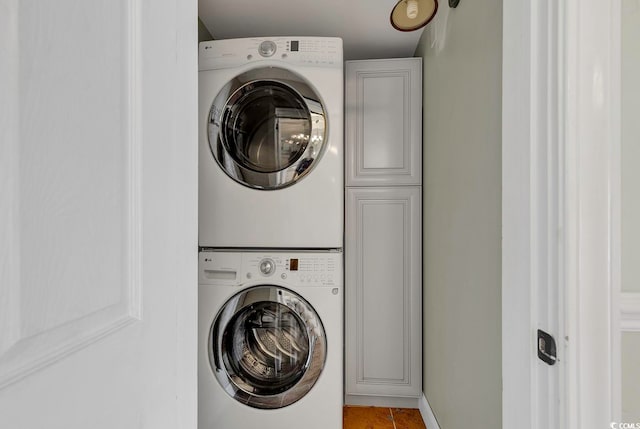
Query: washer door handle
[213, 337]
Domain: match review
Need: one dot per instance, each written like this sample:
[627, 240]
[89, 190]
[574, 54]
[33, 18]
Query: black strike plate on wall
[453, 3]
[546, 348]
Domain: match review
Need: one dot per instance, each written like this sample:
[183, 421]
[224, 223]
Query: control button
[267, 48]
[267, 266]
[248, 275]
[283, 276]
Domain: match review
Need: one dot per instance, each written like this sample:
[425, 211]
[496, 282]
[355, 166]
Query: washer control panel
[301, 268]
[311, 269]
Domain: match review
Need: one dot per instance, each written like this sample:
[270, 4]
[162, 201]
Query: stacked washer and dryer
[270, 351]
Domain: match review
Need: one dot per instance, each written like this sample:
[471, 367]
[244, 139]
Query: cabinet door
[383, 291]
[383, 126]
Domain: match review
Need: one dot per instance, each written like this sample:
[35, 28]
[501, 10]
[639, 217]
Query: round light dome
[410, 15]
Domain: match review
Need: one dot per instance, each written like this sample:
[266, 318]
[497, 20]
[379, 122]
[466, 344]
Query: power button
[267, 48]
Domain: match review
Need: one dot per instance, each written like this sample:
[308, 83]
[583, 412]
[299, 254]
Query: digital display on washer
[293, 264]
[294, 46]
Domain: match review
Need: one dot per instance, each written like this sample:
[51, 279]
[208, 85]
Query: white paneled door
[98, 214]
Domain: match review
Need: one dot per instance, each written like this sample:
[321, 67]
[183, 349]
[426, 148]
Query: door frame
[593, 215]
[553, 58]
[186, 130]
[530, 78]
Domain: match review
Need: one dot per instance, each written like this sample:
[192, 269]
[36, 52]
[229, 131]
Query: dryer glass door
[267, 128]
[267, 347]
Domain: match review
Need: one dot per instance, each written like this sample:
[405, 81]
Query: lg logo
[615, 425]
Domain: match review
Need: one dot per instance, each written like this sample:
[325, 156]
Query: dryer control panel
[284, 268]
[311, 51]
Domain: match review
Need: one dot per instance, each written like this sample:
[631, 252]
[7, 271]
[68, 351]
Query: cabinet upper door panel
[383, 127]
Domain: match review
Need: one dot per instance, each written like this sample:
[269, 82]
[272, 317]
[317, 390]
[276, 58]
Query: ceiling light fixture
[410, 15]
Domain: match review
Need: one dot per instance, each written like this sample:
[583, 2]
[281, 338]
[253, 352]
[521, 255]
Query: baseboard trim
[381, 401]
[427, 413]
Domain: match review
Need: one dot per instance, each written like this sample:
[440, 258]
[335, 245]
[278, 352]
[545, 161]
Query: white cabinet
[383, 233]
[383, 122]
[383, 292]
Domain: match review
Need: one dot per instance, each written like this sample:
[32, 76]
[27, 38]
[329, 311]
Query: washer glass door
[267, 347]
[266, 128]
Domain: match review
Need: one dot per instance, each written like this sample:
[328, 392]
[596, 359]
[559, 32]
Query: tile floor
[381, 418]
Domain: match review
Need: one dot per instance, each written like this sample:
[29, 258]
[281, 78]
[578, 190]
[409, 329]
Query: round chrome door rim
[304, 163]
[233, 383]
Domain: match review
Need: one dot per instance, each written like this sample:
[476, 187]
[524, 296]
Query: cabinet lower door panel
[384, 289]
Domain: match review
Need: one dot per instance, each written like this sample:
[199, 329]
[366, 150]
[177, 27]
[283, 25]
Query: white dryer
[270, 335]
[271, 143]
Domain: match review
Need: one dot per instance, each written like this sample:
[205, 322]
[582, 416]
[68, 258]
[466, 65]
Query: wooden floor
[381, 418]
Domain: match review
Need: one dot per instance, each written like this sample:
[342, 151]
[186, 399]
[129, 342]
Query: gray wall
[630, 38]
[630, 200]
[462, 54]
[203, 33]
[630, 377]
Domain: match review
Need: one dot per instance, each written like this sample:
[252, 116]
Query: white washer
[270, 336]
[271, 143]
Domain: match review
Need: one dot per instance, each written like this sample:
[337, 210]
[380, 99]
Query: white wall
[462, 54]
